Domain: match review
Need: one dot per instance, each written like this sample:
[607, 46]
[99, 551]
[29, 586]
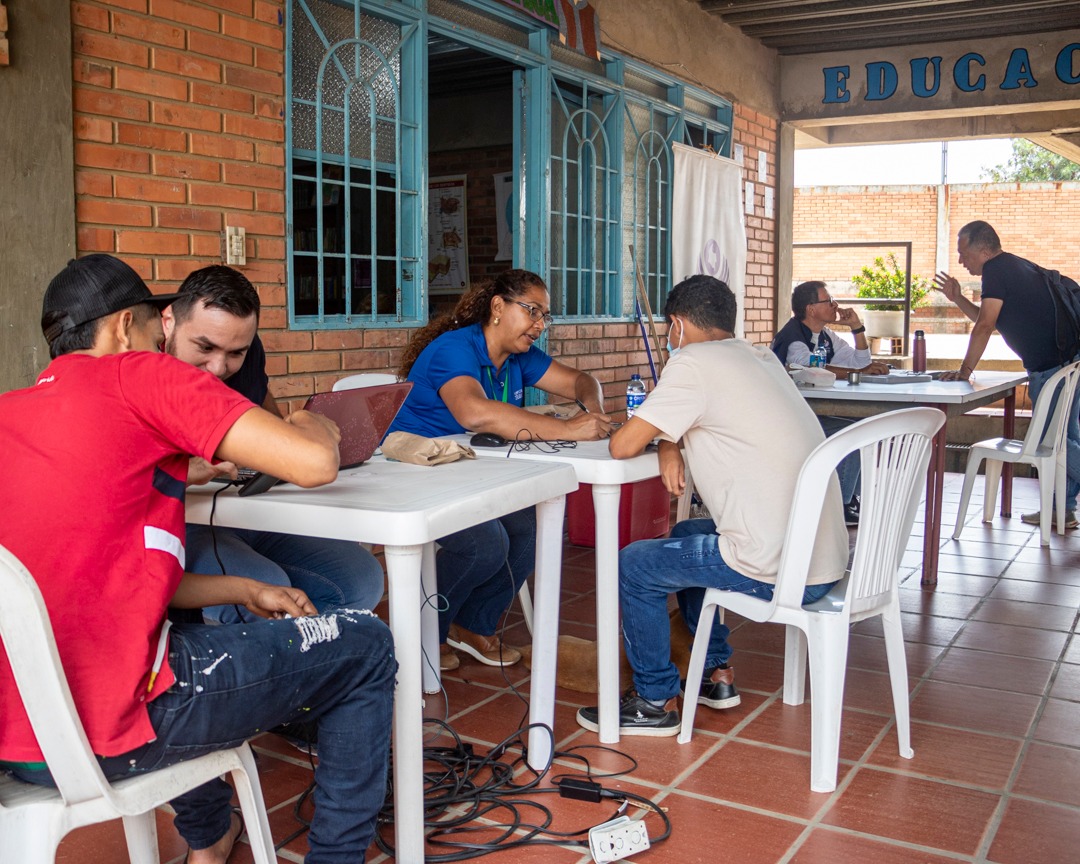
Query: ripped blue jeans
[237, 680]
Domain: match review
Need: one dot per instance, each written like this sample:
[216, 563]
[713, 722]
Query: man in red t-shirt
[92, 473]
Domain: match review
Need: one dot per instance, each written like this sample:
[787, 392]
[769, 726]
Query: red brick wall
[1035, 220]
[179, 108]
[758, 133]
[832, 214]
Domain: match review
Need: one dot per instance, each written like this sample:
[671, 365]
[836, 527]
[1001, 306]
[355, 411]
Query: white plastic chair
[373, 379]
[1043, 446]
[34, 819]
[364, 379]
[895, 454]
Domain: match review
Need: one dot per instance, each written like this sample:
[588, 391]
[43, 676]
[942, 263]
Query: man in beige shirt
[746, 433]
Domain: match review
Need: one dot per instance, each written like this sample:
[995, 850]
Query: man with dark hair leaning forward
[746, 432]
[94, 465]
[212, 325]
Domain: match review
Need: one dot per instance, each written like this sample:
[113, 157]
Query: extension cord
[616, 839]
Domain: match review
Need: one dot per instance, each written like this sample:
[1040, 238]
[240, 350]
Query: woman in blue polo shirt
[469, 371]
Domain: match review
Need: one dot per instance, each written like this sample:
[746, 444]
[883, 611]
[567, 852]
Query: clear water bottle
[818, 358]
[635, 395]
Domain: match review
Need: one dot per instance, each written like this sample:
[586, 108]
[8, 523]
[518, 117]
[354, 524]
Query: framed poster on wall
[448, 238]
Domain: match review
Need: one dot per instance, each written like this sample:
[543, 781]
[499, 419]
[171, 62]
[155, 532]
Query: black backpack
[1066, 296]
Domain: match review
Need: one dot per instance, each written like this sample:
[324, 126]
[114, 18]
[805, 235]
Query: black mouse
[488, 439]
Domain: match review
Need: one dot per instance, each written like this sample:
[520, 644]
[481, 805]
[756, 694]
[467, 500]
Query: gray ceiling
[810, 26]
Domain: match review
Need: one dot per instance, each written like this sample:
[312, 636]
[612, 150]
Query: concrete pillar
[785, 208]
[944, 246]
[37, 204]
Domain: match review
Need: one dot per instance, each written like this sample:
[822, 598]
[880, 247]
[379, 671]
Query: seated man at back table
[93, 468]
[746, 432]
[212, 325]
[812, 309]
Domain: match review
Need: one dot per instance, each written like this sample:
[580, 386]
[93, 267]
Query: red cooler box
[644, 513]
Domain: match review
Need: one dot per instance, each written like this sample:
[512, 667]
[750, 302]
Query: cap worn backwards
[91, 287]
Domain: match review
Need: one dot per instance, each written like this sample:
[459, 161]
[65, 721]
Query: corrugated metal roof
[810, 26]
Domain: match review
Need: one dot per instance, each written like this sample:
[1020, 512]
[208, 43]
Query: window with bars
[584, 197]
[356, 164]
[353, 164]
[610, 194]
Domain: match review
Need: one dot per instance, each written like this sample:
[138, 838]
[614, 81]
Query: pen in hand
[581, 405]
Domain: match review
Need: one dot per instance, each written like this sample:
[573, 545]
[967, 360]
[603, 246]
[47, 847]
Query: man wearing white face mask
[746, 432]
[672, 350]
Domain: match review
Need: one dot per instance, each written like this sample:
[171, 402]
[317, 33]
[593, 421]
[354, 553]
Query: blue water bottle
[635, 395]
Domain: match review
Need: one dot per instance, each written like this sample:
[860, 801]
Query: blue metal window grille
[592, 142]
[648, 134]
[354, 165]
[585, 200]
[650, 128]
[617, 134]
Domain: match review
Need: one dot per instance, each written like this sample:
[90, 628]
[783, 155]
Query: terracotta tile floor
[994, 665]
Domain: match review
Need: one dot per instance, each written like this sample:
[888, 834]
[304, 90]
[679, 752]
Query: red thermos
[918, 352]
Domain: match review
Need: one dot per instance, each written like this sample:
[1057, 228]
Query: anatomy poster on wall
[448, 243]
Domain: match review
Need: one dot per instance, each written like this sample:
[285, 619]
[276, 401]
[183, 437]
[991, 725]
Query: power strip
[619, 838]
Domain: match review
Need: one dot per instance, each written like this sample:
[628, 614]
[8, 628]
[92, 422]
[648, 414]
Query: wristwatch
[857, 330]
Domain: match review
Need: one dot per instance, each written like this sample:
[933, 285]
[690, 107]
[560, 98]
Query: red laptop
[363, 415]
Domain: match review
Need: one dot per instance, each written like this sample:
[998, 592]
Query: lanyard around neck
[505, 387]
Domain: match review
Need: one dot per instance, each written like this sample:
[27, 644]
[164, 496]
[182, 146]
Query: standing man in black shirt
[1016, 302]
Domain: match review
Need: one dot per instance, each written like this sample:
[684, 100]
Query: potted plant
[885, 281]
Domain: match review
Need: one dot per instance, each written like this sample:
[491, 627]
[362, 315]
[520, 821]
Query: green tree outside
[1031, 163]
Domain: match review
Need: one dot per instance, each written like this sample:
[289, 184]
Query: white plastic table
[593, 464]
[406, 508]
[952, 397]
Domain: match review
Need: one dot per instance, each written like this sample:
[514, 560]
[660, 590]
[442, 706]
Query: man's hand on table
[200, 471]
[961, 374]
[876, 367]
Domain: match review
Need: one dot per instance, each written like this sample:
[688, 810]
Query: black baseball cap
[91, 287]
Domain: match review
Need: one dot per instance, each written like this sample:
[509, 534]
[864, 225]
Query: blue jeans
[687, 563]
[332, 573]
[850, 466]
[480, 569]
[1036, 380]
[234, 682]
